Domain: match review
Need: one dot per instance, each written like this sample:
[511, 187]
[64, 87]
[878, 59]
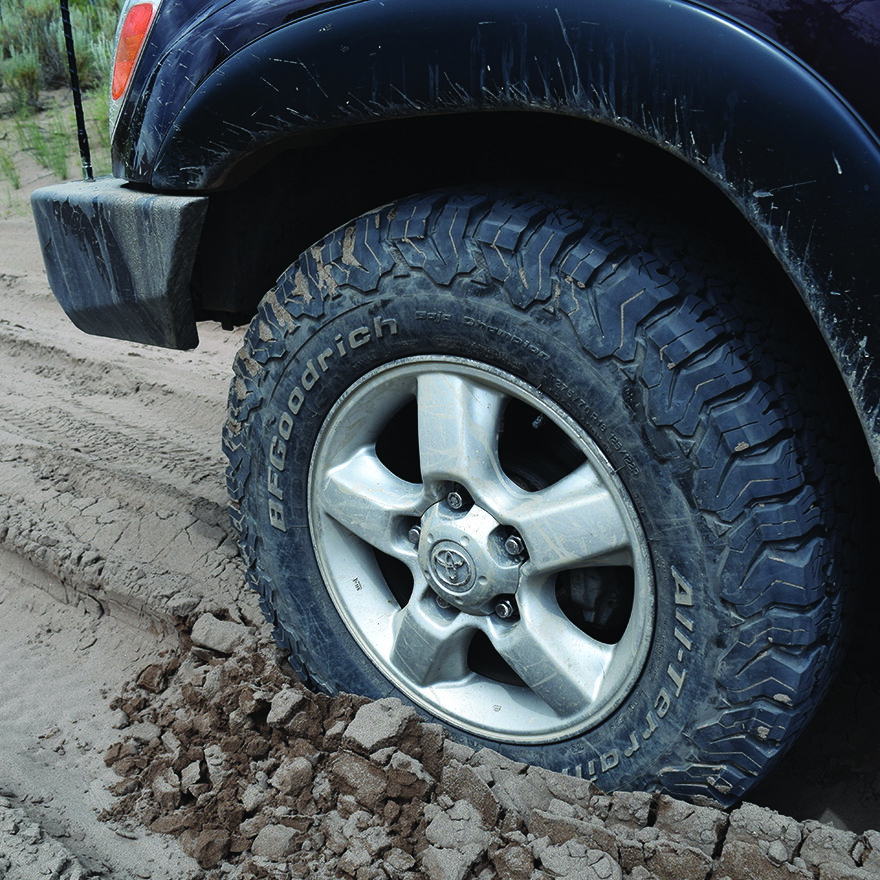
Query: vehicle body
[249, 130]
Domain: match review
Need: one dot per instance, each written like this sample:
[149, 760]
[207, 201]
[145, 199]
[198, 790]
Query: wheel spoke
[571, 524]
[369, 500]
[558, 662]
[430, 645]
[459, 422]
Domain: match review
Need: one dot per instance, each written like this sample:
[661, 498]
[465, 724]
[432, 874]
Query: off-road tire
[625, 331]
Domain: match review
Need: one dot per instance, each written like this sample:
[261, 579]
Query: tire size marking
[311, 375]
[588, 412]
[684, 598]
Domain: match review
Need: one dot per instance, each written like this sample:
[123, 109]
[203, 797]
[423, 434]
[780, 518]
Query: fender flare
[783, 146]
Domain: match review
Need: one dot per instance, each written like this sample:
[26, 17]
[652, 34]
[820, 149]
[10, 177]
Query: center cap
[462, 556]
[453, 567]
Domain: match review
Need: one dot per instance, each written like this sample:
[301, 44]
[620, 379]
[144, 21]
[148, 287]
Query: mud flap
[119, 261]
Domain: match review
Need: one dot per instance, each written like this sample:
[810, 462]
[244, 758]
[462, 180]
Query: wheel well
[282, 201]
[286, 200]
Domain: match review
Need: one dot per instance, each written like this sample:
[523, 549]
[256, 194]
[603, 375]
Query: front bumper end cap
[120, 261]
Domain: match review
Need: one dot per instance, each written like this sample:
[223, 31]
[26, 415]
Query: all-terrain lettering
[683, 630]
[502, 333]
[435, 317]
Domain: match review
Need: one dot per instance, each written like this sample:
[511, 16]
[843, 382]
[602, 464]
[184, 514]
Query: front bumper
[120, 261]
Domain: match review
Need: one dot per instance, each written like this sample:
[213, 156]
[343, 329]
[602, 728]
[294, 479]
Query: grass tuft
[33, 55]
[9, 170]
[49, 144]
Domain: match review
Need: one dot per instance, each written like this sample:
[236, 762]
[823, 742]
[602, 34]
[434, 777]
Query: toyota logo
[452, 567]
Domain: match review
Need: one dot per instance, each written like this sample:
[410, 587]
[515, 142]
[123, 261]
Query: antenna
[82, 134]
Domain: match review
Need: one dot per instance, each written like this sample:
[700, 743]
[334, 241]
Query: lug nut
[505, 609]
[454, 500]
[441, 602]
[514, 545]
[414, 534]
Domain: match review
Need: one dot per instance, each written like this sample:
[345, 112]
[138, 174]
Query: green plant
[9, 169]
[49, 146]
[28, 30]
[31, 29]
[98, 108]
[59, 146]
[20, 75]
[94, 31]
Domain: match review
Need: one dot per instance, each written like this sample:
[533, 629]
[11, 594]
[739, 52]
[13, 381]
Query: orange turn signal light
[131, 38]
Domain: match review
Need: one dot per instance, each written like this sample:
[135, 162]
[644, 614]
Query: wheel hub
[462, 555]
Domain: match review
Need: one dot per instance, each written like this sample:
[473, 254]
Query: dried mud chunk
[144, 731]
[398, 861]
[333, 735]
[518, 792]
[379, 725]
[251, 701]
[166, 789]
[514, 862]
[284, 705]
[574, 859]
[222, 636]
[445, 864]
[410, 818]
[828, 849]
[292, 776]
[355, 858]
[117, 751]
[254, 825]
[256, 747]
[124, 787]
[459, 828]
[357, 776]
[560, 829]
[676, 861]
[215, 759]
[172, 823]
[208, 848]
[190, 775]
[697, 826]
[752, 832]
[431, 739]
[626, 809]
[232, 744]
[152, 679]
[128, 766]
[407, 778]
[460, 781]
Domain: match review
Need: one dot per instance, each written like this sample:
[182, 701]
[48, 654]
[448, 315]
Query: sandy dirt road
[113, 528]
[112, 525]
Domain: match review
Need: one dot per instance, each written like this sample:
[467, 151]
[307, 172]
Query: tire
[532, 465]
